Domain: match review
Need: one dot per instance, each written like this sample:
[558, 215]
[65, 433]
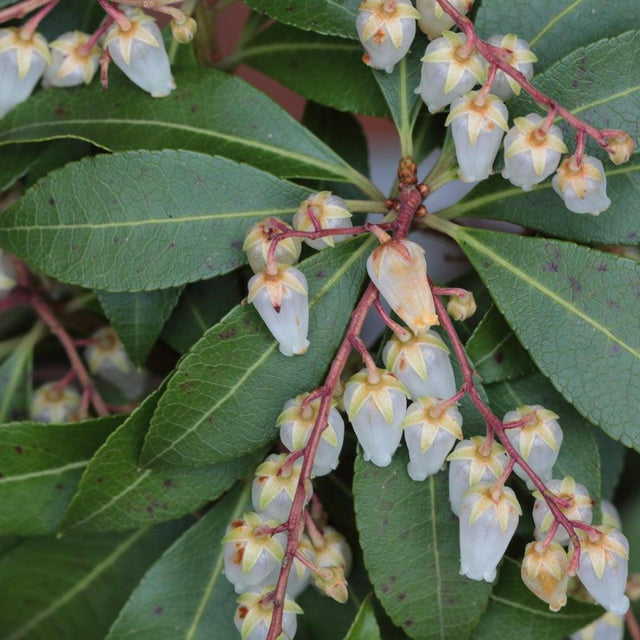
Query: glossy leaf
[15, 162]
[40, 467]
[63, 588]
[138, 317]
[114, 494]
[515, 612]
[555, 28]
[157, 219]
[225, 396]
[576, 311]
[612, 455]
[409, 538]
[365, 626]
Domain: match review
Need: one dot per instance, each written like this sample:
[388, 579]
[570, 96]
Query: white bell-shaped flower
[583, 187]
[282, 300]
[608, 627]
[140, 53]
[538, 441]
[449, 70]
[399, 271]
[430, 432]
[422, 364]
[258, 241]
[610, 515]
[386, 29]
[520, 57]
[23, 60]
[530, 154]
[376, 406]
[52, 404]
[604, 564]
[8, 277]
[544, 571]
[576, 505]
[107, 359]
[488, 520]
[434, 21]
[477, 125]
[274, 487]
[70, 64]
[296, 423]
[255, 610]
[471, 464]
[300, 574]
[251, 554]
[329, 211]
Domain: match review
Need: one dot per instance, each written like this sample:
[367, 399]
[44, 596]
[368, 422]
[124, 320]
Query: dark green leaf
[185, 593]
[336, 17]
[73, 587]
[138, 317]
[576, 311]
[71, 14]
[225, 396]
[495, 350]
[15, 162]
[514, 612]
[325, 69]
[410, 542]
[157, 219]
[555, 28]
[114, 494]
[612, 455]
[365, 626]
[40, 467]
[56, 155]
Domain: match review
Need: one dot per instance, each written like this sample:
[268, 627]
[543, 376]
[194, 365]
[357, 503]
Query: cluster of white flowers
[451, 68]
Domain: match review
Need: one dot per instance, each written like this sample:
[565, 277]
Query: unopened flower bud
[254, 613]
[477, 126]
[544, 571]
[282, 300]
[8, 277]
[258, 241]
[331, 582]
[332, 550]
[329, 211]
[583, 187]
[251, 554]
[296, 423]
[184, 29]
[576, 505]
[488, 520]
[386, 29]
[399, 271]
[520, 57]
[620, 147]
[52, 404]
[538, 441]
[422, 364]
[449, 70]
[107, 359]
[376, 408]
[430, 432]
[610, 515]
[22, 63]
[471, 465]
[608, 627]
[604, 563]
[531, 155]
[70, 64]
[140, 53]
[433, 20]
[461, 307]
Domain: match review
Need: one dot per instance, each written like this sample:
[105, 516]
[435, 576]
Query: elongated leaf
[40, 467]
[325, 69]
[64, 588]
[210, 112]
[542, 208]
[555, 28]
[114, 494]
[409, 538]
[515, 612]
[576, 311]
[56, 154]
[336, 17]
[138, 317]
[185, 594]
[157, 219]
[495, 350]
[15, 162]
[612, 456]
[365, 626]
[225, 396]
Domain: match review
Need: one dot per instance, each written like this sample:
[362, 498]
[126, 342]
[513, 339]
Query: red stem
[31, 25]
[632, 624]
[85, 49]
[20, 9]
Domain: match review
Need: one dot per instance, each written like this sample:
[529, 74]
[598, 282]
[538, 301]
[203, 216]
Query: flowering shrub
[200, 438]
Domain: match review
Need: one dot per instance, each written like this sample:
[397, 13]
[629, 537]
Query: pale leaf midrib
[436, 558]
[494, 349]
[549, 25]
[253, 51]
[536, 612]
[32, 475]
